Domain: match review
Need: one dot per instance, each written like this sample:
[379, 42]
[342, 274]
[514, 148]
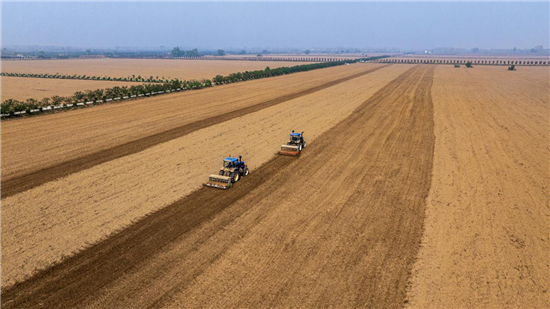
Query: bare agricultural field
[261, 134]
[167, 68]
[486, 238]
[19, 88]
[421, 186]
[107, 126]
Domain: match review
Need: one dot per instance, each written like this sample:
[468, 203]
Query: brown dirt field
[486, 241]
[346, 236]
[175, 68]
[421, 187]
[37, 154]
[22, 88]
[98, 201]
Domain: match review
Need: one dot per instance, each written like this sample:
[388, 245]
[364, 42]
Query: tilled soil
[43, 225]
[420, 187]
[338, 226]
[35, 152]
[487, 238]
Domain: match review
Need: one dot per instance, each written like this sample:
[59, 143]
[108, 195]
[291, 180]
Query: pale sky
[403, 25]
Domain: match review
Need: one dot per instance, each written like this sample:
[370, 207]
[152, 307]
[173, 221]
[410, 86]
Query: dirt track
[34, 152]
[339, 226]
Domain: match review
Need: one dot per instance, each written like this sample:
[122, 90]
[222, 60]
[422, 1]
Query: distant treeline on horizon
[46, 52]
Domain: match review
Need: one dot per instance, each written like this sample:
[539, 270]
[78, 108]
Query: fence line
[463, 61]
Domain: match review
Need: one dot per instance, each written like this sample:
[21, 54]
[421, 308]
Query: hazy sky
[269, 25]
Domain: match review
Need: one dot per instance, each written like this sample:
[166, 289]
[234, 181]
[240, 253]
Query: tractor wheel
[300, 148]
[221, 173]
[236, 177]
[304, 144]
[246, 172]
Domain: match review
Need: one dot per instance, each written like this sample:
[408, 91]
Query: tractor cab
[296, 138]
[231, 172]
[294, 145]
[230, 162]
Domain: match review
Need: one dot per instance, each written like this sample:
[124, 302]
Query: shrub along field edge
[133, 78]
[13, 108]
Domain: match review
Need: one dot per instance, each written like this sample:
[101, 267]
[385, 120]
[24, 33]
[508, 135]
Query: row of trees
[11, 106]
[133, 78]
[177, 52]
[268, 72]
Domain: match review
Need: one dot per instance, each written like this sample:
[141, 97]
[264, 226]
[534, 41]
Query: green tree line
[133, 78]
[99, 96]
[11, 106]
[177, 52]
[268, 72]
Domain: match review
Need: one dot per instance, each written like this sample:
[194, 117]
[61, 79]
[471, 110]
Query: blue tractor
[231, 172]
[294, 146]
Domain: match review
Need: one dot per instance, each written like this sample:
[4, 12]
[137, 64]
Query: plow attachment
[220, 182]
[289, 150]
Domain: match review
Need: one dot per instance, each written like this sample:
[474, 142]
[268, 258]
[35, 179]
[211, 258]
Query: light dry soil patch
[167, 68]
[43, 224]
[19, 88]
[32, 144]
[486, 242]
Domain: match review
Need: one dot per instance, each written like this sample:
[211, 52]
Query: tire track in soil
[28, 181]
[81, 278]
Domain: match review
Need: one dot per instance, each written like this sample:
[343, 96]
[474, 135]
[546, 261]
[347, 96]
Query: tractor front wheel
[237, 177]
[246, 172]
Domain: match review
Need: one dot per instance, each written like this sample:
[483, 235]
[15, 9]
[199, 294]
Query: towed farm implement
[231, 172]
[294, 146]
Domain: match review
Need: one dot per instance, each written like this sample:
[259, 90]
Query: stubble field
[420, 186]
